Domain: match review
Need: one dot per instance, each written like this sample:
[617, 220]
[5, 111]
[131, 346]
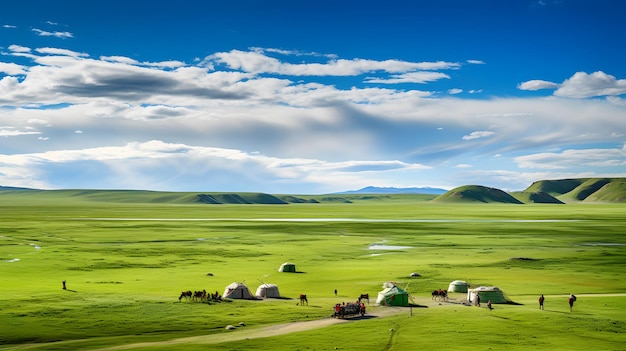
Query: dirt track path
[242, 334]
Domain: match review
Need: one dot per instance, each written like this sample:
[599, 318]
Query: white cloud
[61, 52]
[476, 62]
[11, 132]
[19, 48]
[62, 35]
[12, 68]
[583, 85]
[411, 77]
[537, 85]
[568, 159]
[9, 26]
[455, 91]
[179, 161]
[478, 135]
[120, 59]
[257, 62]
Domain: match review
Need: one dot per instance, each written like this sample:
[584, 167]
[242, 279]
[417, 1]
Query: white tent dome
[267, 291]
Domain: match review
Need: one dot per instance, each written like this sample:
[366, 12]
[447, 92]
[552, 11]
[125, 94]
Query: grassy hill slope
[611, 192]
[535, 197]
[581, 189]
[477, 193]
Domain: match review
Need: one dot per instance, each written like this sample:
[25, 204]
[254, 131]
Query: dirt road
[241, 333]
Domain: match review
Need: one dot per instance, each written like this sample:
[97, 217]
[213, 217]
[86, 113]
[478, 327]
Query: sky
[310, 97]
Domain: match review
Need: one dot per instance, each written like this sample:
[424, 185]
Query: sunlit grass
[124, 276]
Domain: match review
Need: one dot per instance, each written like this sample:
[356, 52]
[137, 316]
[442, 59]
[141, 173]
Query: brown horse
[199, 295]
[365, 297]
[440, 295]
[185, 294]
[303, 300]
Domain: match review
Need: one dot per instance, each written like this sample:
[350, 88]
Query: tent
[287, 267]
[487, 293]
[458, 286]
[237, 291]
[267, 291]
[392, 296]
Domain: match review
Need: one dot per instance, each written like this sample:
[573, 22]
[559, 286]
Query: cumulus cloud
[537, 85]
[12, 68]
[236, 111]
[583, 85]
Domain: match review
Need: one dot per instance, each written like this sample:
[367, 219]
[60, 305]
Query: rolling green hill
[583, 189]
[544, 191]
[477, 193]
[535, 197]
[612, 192]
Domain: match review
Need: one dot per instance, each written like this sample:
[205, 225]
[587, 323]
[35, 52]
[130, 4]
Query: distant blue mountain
[386, 190]
[12, 188]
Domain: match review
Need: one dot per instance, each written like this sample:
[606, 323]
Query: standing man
[64, 288]
[541, 299]
[571, 300]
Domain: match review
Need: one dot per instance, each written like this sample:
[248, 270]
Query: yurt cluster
[240, 291]
[390, 295]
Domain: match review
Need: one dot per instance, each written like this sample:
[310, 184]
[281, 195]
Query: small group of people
[570, 301]
[477, 301]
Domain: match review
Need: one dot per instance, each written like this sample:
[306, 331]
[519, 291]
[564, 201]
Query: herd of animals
[203, 296]
[199, 296]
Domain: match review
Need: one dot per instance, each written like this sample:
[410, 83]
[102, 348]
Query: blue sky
[309, 97]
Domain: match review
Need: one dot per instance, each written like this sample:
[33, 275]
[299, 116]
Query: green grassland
[126, 262]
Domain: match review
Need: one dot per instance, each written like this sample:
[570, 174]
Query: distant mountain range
[589, 190]
[386, 190]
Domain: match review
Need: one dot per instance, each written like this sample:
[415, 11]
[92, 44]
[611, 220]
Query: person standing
[541, 299]
[64, 287]
[478, 300]
[570, 301]
[489, 305]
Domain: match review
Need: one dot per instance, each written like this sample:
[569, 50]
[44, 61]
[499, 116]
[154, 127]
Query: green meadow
[126, 263]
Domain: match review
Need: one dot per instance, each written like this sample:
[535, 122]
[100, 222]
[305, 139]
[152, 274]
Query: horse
[303, 299]
[440, 294]
[185, 294]
[199, 295]
[365, 297]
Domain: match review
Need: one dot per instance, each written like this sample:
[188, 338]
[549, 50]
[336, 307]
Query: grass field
[126, 264]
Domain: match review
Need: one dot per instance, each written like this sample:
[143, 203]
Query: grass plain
[126, 263]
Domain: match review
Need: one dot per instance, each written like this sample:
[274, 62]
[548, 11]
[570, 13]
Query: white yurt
[458, 286]
[487, 293]
[267, 291]
[237, 291]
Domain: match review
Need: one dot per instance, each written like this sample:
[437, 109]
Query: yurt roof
[486, 288]
[458, 282]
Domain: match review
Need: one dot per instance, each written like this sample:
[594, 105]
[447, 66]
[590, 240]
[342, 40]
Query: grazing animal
[440, 295]
[185, 294]
[303, 299]
[365, 297]
[199, 295]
